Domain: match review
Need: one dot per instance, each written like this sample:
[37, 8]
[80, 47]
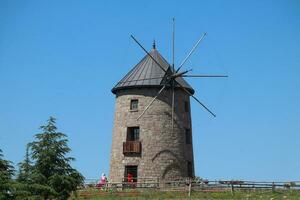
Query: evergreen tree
[24, 186]
[51, 166]
[25, 169]
[6, 173]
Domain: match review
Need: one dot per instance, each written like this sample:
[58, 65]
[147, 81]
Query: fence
[196, 184]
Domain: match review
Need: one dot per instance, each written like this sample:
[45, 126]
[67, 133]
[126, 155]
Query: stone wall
[164, 152]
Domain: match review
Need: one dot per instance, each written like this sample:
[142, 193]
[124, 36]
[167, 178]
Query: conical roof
[148, 74]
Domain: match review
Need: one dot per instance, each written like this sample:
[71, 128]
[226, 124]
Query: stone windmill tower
[152, 133]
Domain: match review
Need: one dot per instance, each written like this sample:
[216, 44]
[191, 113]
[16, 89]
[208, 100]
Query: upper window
[134, 104]
[186, 106]
[133, 133]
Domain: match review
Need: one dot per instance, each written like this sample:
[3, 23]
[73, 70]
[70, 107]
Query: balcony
[132, 147]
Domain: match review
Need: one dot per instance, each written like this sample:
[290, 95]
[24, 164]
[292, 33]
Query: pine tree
[24, 187]
[51, 167]
[25, 169]
[6, 173]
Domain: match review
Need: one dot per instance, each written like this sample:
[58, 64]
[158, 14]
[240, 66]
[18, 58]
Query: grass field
[131, 195]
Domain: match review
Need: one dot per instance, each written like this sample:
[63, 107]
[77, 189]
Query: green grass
[151, 195]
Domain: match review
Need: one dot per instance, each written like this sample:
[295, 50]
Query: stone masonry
[165, 153]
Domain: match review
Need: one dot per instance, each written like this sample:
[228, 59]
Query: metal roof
[148, 74]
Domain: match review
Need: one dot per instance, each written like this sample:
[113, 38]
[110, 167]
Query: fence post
[232, 189]
[190, 186]
[273, 187]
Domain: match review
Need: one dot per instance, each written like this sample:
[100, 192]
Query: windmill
[152, 120]
[173, 74]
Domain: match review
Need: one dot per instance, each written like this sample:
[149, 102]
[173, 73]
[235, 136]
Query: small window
[134, 104]
[189, 169]
[133, 134]
[188, 136]
[186, 106]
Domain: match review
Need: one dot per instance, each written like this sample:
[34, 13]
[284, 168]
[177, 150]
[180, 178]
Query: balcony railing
[132, 147]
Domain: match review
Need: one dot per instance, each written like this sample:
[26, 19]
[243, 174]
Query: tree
[6, 173]
[24, 186]
[25, 169]
[51, 167]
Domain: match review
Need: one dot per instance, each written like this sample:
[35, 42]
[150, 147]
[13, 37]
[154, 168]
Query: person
[130, 180]
[102, 181]
[129, 177]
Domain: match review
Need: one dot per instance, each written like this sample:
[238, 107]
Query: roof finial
[153, 45]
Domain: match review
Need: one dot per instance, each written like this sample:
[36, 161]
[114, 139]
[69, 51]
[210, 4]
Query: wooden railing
[197, 184]
[132, 147]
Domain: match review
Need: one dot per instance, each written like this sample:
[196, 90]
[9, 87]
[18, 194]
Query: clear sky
[61, 58]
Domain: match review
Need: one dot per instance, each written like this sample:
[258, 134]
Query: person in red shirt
[129, 177]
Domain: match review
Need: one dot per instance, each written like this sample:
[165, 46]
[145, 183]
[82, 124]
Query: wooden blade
[204, 76]
[148, 53]
[141, 79]
[148, 106]
[203, 105]
[190, 53]
[173, 102]
[173, 46]
[197, 100]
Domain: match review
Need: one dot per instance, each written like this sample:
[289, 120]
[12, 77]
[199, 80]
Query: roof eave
[116, 89]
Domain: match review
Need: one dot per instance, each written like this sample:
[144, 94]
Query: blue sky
[61, 58]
